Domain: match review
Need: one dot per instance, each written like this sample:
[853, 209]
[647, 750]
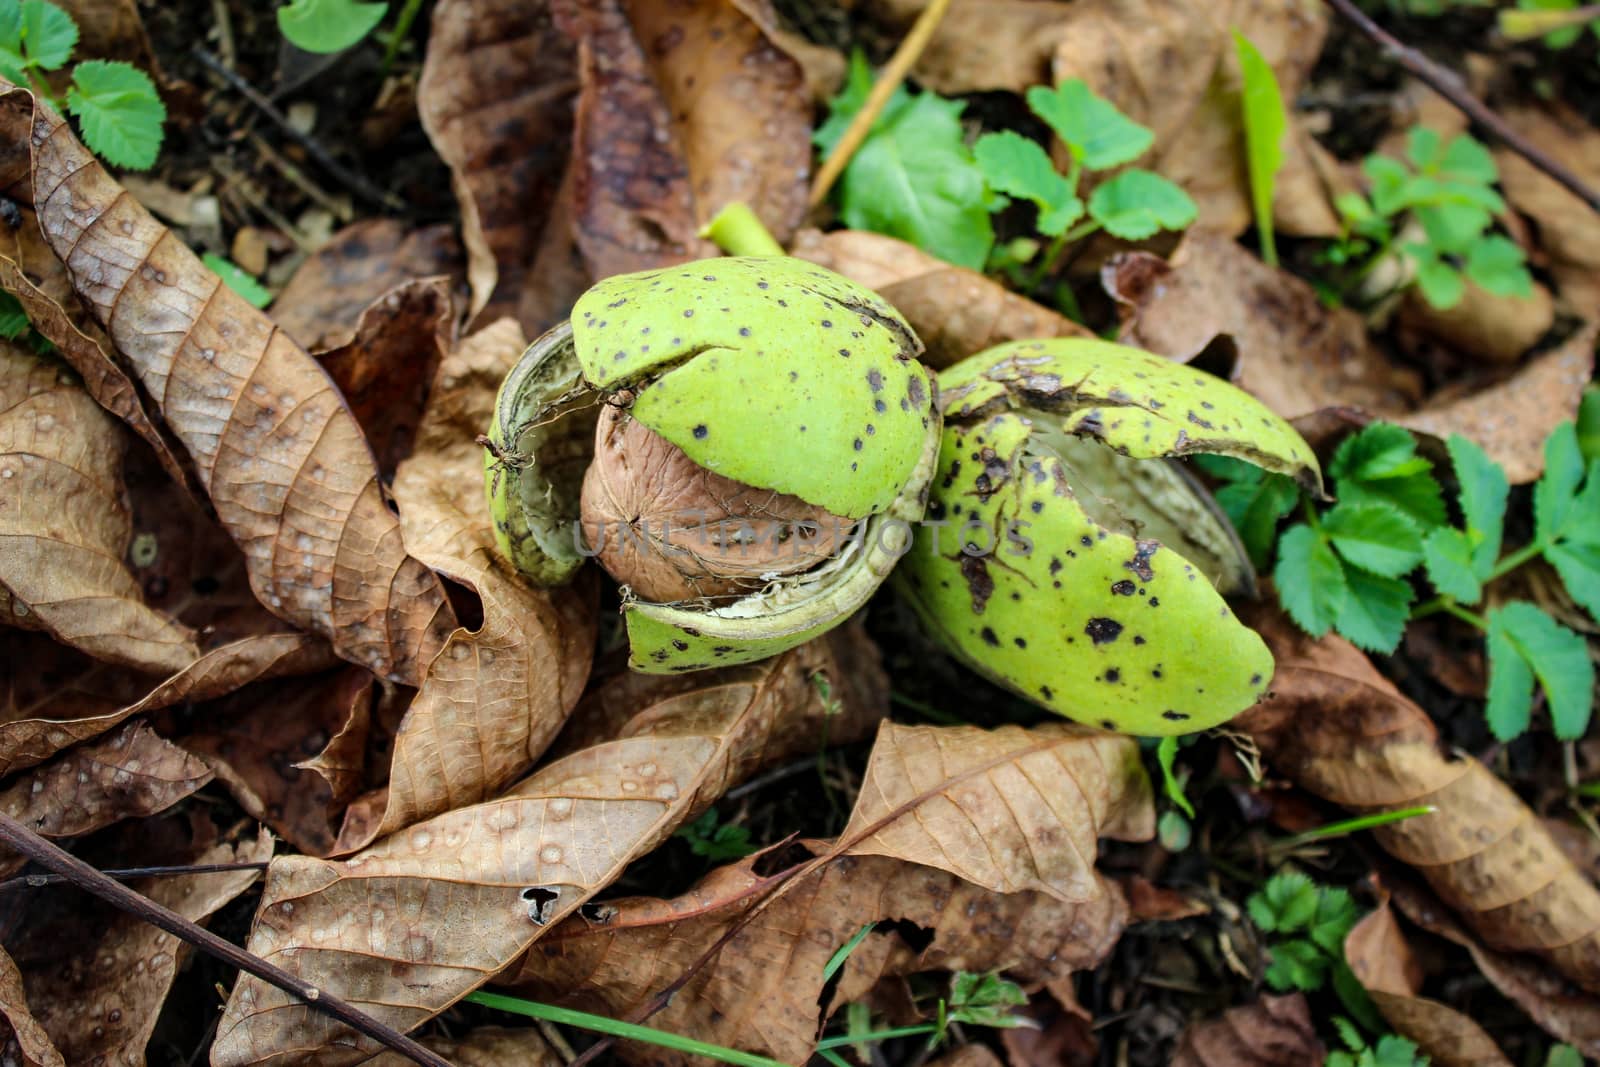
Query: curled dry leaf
[130, 774]
[388, 930]
[322, 303]
[684, 108]
[111, 29]
[1272, 1032]
[1341, 731]
[21, 1036]
[1386, 967]
[64, 527]
[100, 976]
[487, 1046]
[955, 311]
[1569, 232]
[494, 698]
[981, 45]
[495, 98]
[284, 461]
[1011, 809]
[762, 992]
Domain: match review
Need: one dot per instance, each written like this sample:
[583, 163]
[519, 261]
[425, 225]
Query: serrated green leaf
[1285, 904]
[1554, 492]
[1138, 203]
[1392, 1051]
[48, 34]
[1440, 283]
[1525, 643]
[1452, 227]
[1484, 490]
[1336, 914]
[983, 1000]
[326, 26]
[119, 111]
[1265, 123]
[13, 319]
[1374, 537]
[1375, 611]
[1496, 264]
[1578, 563]
[1296, 965]
[238, 279]
[1380, 465]
[1098, 135]
[1447, 552]
[1467, 160]
[1015, 165]
[1589, 424]
[1255, 509]
[1309, 579]
[1348, 1034]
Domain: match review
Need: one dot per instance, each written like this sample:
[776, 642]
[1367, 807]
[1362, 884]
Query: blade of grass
[1351, 826]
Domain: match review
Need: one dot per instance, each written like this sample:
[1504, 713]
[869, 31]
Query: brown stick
[1448, 85]
[39, 881]
[21, 839]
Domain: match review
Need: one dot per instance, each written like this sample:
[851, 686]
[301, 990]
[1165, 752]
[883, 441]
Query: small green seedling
[1390, 1051]
[326, 26]
[719, 844]
[1173, 826]
[1309, 923]
[1352, 567]
[238, 279]
[116, 104]
[1435, 208]
[1265, 124]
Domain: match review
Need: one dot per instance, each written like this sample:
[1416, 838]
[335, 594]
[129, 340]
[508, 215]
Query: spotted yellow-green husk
[1035, 565]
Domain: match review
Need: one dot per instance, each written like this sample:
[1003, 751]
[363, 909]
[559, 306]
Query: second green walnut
[743, 442]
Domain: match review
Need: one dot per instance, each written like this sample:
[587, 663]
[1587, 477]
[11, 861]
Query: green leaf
[1173, 830]
[13, 319]
[1422, 147]
[1255, 509]
[1375, 611]
[1286, 904]
[984, 1000]
[1138, 203]
[1589, 424]
[1374, 537]
[328, 25]
[48, 34]
[716, 843]
[1556, 489]
[238, 279]
[1524, 644]
[1393, 187]
[1017, 166]
[1468, 161]
[119, 112]
[1392, 1051]
[1452, 227]
[1166, 752]
[1265, 123]
[1578, 563]
[913, 177]
[1296, 965]
[1496, 264]
[1380, 465]
[1336, 914]
[11, 26]
[1310, 580]
[1098, 135]
[1484, 490]
[1447, 552]
[1563, 1056]
[1440, 283]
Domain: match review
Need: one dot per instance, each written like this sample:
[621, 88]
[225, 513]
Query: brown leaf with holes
[1389, 971]
[762, 992]
[64, 528]
[322, 303]
[1272, 1032]
[290, 751]
[1010, 809]
[408, 926]
[283, 460]
[955, 311]
[130, 774]
[1341, 731]
[22, 1039]
[99, 977]
[494, 698]
[496, 99]
[684, 108]
[486, 1046]
[981, 45]
[1568, 230]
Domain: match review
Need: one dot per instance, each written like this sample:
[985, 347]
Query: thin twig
[888, 81]
[355, 182]
[1448, 85]
[38, 881]
[19, 838]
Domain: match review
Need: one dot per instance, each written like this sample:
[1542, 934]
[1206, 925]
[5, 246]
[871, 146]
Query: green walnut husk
[767, 370]
[1064, 554]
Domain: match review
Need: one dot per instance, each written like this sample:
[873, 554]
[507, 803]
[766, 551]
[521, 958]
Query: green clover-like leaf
[1017, 166]
[1098, 135]
[1138, 203]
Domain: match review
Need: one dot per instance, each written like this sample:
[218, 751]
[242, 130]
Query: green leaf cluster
[1447, 190]
[326, 26]
[116, 104]
[1390, 1051]
[719, 844]
[1311, 922]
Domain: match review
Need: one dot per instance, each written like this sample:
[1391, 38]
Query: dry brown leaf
[496, 99]
[684, 108]
[824, 67]
[1340, 730]
[100, 977]
[285, 464]
[1272, 1032]
[1386, 967]
[1171, 66]
[486, 1046]
[415, 922]
[1569, 232]
[1485, 325]
[761, 992]
[111, 29]
[968, 1056]
[321, 305]
[64, 528]
[955, 311]
[386, 369]
[1011, 809]
[291, 751]
[494, 698]
[130, 774]
[22, 1039]
[981, 45]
